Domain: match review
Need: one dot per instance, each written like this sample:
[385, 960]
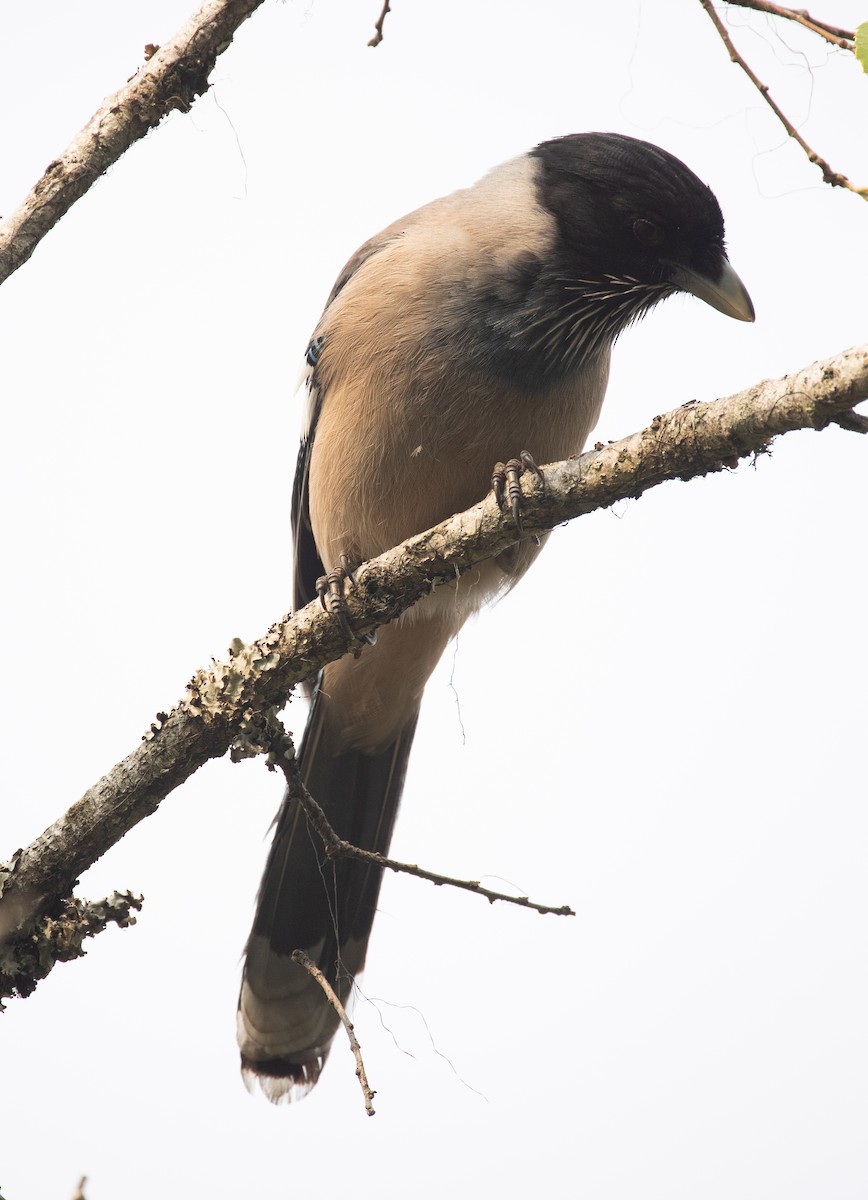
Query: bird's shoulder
[465, 239]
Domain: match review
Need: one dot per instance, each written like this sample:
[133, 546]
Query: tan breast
[406, 434]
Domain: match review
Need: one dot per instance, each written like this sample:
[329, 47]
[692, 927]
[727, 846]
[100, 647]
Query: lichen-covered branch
[24, 960]
[174, 75]
[230, 703]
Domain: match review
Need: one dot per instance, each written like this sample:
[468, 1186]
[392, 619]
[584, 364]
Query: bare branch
[378, 35]
[299, 956]
[337, 847]
[852, 421]
[171, 78]
[829, 176]
[843, 38]
[229, 703]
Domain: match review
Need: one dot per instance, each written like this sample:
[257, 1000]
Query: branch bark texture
[171, 79]
[229, 705]
[59, 938]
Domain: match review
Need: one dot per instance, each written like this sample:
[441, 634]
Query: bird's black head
[635, 225]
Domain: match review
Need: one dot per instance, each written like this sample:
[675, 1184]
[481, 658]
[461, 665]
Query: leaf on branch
[861, 46]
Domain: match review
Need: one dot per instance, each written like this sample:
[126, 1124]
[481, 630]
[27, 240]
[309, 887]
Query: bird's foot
[506, 483]
[331, 590]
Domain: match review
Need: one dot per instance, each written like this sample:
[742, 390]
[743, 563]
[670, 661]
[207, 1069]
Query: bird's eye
[648, 233]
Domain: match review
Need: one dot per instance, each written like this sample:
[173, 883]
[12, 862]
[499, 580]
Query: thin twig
[338, 847]
[843, 38]
[299, 956]
[378, 35]
[829, 176]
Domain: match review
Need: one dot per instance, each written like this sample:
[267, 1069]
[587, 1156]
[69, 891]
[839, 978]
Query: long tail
[323, 907]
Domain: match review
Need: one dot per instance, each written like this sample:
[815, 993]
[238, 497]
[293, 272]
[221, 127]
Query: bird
[475, 328]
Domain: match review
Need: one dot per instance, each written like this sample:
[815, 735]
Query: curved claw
[513, 485]
[506, 483]
[529, 464]
[348, 571]
[330, 589]
[498, 479]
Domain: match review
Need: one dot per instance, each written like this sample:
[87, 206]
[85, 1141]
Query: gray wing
[307, 564]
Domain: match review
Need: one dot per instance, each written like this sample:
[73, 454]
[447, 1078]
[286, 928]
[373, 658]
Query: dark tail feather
[325, 908]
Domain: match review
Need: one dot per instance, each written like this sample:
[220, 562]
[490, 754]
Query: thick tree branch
[172, 78]
[228, 704]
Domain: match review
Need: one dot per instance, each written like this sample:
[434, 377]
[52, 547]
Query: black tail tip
[280, 1080]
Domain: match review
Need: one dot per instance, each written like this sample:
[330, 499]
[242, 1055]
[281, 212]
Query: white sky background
[682, 755]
